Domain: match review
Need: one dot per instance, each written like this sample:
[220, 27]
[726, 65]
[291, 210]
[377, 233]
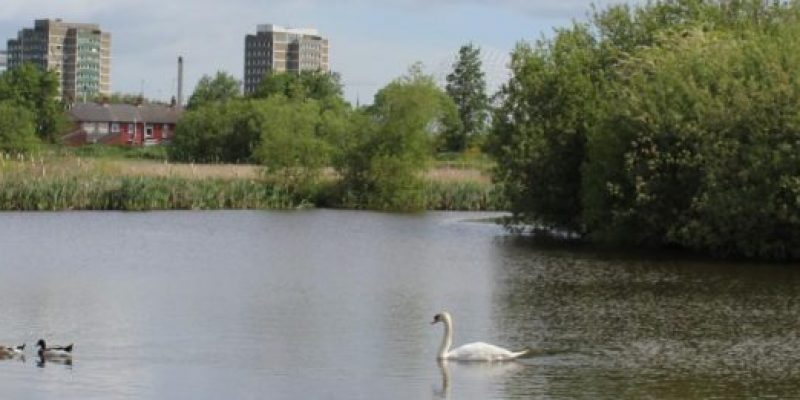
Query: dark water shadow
[42, 362]
[9, 358]
[584, 250]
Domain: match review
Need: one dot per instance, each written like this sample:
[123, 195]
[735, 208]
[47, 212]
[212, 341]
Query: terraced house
[122, 124]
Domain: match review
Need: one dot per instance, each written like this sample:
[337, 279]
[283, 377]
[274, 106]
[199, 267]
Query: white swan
[478, 351]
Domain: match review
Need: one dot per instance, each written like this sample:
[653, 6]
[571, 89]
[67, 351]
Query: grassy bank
[101, 183]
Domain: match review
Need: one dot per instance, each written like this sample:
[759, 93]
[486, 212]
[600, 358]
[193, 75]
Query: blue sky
[371, 42]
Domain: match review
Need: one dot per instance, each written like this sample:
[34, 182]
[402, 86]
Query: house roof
[126, 113]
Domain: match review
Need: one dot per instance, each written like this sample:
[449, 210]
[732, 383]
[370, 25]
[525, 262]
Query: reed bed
[459, 195]
[140, 194]
[74, 183]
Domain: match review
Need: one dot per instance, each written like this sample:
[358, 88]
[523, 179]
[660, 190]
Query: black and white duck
[54, 352]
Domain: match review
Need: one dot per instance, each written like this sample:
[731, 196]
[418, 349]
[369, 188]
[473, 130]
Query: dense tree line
[295, 125]
[671, 124]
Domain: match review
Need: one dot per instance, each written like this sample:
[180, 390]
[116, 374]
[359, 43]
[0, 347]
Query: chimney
[180, 81]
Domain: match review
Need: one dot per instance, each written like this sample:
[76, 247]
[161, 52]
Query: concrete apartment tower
[279, 49]
[79, 53]
[3, 61]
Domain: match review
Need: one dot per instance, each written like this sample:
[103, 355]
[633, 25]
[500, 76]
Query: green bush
[381, 163]
[671, 124]
[17, 129]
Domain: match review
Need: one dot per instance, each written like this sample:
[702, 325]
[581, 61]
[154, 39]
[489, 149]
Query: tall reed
[72, 183]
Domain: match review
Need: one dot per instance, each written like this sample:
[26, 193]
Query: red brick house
[122, 124]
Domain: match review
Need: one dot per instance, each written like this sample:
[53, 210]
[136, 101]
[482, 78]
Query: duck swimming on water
[9, 352]
[53, 352]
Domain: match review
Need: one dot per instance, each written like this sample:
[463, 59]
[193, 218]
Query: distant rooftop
[125, 113]
[281, 29]
[43, 23]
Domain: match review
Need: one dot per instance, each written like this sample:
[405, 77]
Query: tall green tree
[383, 162]
[218, 89]
[292, 147]
[217, 132]
[36, 91]
[466, 85]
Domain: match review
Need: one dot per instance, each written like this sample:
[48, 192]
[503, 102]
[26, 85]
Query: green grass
[140, 194]
[462, 196]
[101, 151]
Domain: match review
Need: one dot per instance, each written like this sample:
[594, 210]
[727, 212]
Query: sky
[371, 42]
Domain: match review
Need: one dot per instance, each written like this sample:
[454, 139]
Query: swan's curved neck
[447, 340]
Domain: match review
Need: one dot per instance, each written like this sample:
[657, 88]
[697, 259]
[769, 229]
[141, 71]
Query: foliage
[541, 127]
[315, 85]
[669, 124]
[467, 87]
[36, 91]
[217, 132]
[296, 125]
[17, 129]
[230, 129]
[104, 151]
[219, 89]
[291, 146]
[382, 162]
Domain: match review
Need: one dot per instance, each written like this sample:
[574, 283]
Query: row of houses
[122, 124]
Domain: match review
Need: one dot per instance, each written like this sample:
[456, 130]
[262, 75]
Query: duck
[53, 352]
[8, 352]
[477, 351]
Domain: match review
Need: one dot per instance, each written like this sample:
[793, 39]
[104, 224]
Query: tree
[383, 162]
[231, 129]
[540, 129]
[291, 147]
[217, 132]
[467, 87]
[219, 89]
[37, 91]
[17, 129]
[670, 124]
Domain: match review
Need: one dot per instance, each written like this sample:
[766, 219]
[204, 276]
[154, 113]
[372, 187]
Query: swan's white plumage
[478, 351]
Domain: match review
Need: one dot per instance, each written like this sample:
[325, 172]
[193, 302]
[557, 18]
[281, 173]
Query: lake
[337, 305]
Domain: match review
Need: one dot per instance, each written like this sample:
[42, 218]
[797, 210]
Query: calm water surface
[337, 305]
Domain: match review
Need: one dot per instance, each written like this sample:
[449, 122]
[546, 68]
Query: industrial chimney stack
[180, 81]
